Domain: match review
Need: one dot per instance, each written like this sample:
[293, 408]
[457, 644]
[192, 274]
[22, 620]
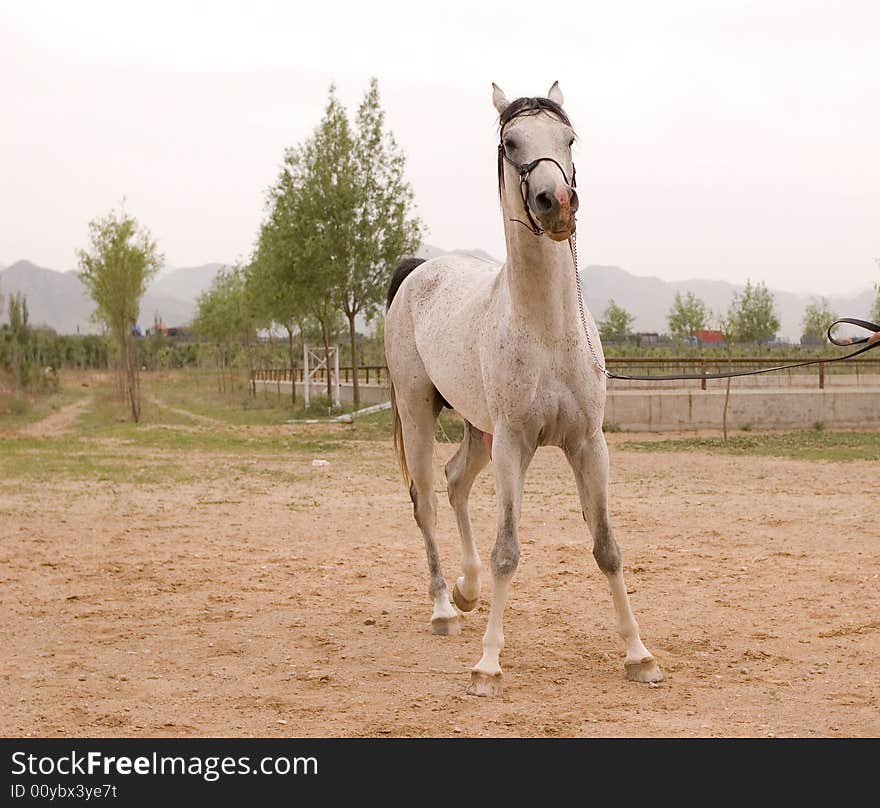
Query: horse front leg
[511, 455]
[589, 461]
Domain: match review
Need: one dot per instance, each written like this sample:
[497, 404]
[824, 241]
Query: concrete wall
[780, 408]
[664, 409]
[775, 380]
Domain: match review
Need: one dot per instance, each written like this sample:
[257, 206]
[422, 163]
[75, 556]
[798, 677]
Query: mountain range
[59, 300]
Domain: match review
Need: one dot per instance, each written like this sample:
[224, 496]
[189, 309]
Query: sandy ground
[280, 599]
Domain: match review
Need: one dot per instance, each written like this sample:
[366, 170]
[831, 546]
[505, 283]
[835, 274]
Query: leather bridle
[524, 170]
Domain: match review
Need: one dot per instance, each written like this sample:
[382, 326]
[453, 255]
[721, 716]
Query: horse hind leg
[418, 412]
[461, 471]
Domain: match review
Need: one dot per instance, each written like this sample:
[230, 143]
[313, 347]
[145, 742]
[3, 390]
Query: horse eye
[571, 143]
[510, 143]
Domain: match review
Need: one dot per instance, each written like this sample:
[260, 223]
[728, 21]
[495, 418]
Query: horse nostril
[574, 202]
[544, 202]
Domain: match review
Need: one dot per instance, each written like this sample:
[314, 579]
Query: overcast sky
[717, 139]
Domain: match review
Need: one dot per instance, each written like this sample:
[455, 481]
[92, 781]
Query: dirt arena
[268, 597]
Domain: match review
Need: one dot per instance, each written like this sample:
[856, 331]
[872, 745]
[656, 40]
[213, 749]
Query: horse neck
[540, 277]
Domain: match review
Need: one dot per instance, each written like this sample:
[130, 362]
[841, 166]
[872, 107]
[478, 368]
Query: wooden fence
[645, 365]
[368, 374]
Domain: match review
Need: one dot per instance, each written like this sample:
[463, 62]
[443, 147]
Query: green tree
[121, 259]
[817, 317]
[223, 317]
[615, 323]
[384, 225]
[338, 219]
[278, 276]
[328, 210]
[19, 338]
[752, 315]
[304, 245]
[687, 315]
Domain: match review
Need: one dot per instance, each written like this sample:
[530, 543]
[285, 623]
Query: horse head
[536, 176]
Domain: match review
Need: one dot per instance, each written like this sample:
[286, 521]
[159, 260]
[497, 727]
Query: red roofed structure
[708, 337]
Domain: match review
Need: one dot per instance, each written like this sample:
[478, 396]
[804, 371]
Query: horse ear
[498, 98]
[555, 94]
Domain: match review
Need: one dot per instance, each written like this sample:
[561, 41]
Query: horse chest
[545, 386]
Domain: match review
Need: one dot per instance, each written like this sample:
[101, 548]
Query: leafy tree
[224, 317]
[121, 260]
[817, 317]
[277, 276]
[338, 219]
[327, 207]
[384, 227]
[19, 338]
[615, 323]
[687, 315]
[304, 245]
[752, 314]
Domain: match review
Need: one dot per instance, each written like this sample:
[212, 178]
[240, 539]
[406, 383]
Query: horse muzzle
[555, 209]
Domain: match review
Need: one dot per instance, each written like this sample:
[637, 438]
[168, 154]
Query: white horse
[505, 348]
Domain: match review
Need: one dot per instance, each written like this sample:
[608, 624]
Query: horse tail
[397, 430]
[401, 272]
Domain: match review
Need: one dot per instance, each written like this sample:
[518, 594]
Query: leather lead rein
[868, 326]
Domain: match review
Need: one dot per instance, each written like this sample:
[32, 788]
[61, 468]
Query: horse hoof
[482, 684]
[446, 626]
[646, 670]
[462, 602]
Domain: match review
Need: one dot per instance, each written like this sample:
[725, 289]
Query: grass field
[184, 412]
[800, 445]
[18, 409]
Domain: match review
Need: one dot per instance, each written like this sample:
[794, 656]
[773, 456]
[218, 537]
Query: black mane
[531, 106]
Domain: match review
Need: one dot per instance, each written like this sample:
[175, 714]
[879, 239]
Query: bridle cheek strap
[524, 170]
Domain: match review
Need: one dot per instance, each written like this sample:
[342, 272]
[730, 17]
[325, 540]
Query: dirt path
[290, 600]
[58, 423]
[199, 419]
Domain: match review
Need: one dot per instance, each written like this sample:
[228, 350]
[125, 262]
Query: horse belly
[457, 375]
[448, 304]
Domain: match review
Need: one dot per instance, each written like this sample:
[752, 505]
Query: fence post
[703, 374]
[306, 376]
[336, 375]
[821, 375]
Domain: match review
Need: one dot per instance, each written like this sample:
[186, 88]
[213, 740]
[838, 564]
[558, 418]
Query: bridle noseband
[524, 170]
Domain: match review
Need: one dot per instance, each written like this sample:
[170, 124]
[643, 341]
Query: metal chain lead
[867, 346]
[572, 243]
